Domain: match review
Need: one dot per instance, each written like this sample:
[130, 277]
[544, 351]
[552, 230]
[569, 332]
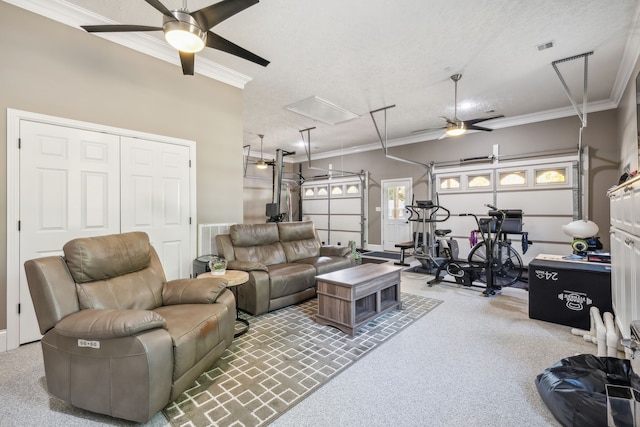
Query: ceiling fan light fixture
[261, 164]
[184, 33]
[456, 129]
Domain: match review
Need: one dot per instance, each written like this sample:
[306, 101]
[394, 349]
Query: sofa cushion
[86, 257]
[288, 279]
[327, 264]
[253, 234]
[301, 249]
[267, 254]
[141, 290]
[246, 266]
[257, 243]
[299, 240]
[298, 230]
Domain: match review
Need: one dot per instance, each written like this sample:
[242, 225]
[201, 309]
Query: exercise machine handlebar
[414, 213]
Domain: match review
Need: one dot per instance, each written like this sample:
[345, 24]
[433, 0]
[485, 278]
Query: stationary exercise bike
[506, 263]
[492, 261]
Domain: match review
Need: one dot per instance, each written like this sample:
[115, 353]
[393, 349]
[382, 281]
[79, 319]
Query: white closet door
[69, 188]
[155, 199]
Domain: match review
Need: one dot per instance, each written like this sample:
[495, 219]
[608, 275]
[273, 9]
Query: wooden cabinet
[625, 253]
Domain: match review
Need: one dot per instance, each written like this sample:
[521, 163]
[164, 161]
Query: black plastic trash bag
[574, 388]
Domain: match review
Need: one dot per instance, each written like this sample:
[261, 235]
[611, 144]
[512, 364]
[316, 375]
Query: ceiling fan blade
[216, 42]
[427, 130]
[118, 28]
[474, 127]
[474, 121]
[160, 8]
[187, 59]
[210, 16]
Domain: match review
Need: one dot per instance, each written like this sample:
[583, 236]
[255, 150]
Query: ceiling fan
[455, 126]
[261, 163]
[189, 31]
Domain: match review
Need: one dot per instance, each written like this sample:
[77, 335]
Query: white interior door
[69, 188]
[396, 194]
[155, 199]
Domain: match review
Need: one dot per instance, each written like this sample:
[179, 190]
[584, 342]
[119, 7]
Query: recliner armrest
[334, 250]
[193, 291]
[93, 324]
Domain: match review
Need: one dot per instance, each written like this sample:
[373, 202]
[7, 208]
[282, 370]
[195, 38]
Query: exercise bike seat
[442, 233]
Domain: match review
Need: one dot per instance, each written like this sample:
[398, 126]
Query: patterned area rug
[283, 358]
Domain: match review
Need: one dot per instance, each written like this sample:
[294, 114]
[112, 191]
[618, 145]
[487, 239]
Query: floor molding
[3, 341]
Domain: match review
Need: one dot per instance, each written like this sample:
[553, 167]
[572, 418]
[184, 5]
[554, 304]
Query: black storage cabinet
[564, 291]
[201, 265]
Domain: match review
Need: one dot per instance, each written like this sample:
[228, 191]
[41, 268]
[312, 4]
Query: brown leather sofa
[282, 260]
[118, 338]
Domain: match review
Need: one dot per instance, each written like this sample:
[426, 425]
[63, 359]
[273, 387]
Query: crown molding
[72, 15]
[506, 122]
[629, 59]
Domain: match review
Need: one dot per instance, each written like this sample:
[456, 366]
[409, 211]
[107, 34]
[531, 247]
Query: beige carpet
[283, 358]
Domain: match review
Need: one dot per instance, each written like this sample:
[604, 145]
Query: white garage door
[337, 208]
[544, 190]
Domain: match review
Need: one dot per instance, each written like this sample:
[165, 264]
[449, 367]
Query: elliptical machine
[431, 253]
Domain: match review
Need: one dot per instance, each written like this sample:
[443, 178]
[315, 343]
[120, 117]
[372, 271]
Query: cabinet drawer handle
[628, 241]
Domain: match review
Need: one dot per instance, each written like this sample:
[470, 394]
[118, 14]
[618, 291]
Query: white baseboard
[375, 248]
[3, 341]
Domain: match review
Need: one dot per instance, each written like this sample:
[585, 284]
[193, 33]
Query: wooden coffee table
[234, 278]
[351, 297]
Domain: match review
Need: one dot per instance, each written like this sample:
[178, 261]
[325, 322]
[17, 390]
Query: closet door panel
[69, 188]
[155, 199]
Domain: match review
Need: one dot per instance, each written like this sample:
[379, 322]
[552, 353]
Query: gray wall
[259, 188]
[53, 69]
[600, 136]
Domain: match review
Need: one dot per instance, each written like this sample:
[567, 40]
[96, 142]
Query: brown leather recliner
[118, 338]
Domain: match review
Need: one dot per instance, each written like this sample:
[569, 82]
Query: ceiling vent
[322, 111]
[544, 46]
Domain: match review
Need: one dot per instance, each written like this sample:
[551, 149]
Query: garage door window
[450, 183]
[479, 181]
[513, 179]
[551, 176]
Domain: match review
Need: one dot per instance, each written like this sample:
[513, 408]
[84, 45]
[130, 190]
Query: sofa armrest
[246, 266]
[193, 291]
[94, 324]
[334, 250]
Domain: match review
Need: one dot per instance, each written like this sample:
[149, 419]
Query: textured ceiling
[367, 54]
